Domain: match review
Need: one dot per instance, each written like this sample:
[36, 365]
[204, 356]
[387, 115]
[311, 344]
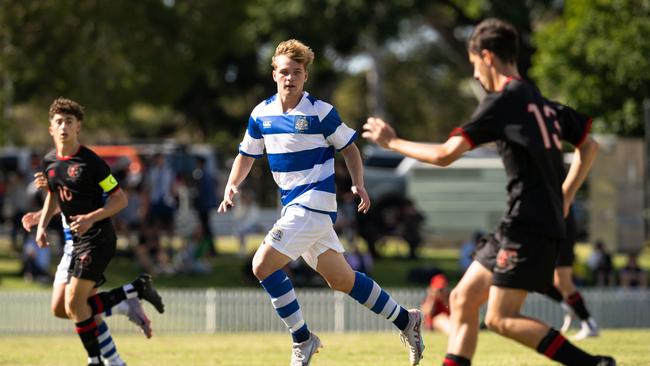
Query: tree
[595, 57]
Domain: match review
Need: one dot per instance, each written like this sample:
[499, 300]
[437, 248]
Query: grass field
[630, 347]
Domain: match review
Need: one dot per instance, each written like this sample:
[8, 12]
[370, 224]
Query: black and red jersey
[528, 131]
[79, 181]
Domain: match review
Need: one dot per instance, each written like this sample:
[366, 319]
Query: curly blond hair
[296, 51]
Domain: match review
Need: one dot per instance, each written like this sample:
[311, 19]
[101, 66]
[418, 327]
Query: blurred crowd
[165, 205]
[166, 227]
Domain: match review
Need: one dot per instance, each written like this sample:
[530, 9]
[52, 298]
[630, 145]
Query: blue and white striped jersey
[300, 146]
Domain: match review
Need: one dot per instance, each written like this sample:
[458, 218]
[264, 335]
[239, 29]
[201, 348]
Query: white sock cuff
[130, 291]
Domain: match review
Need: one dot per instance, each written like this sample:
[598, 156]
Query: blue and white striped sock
[368, 293]
[106, 344]
[283, 298]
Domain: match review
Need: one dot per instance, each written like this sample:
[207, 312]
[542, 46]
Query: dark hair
[66, 106]
[497, 36]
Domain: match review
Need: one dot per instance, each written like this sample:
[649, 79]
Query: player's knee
[73, 307]
[59, 311]
[495, 323]
[339, 283]
[259, 270]
[459, 299]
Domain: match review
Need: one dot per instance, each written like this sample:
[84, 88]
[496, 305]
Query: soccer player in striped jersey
[519, 256]
[301, 135]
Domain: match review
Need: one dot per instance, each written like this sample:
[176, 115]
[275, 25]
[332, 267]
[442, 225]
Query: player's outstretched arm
[354, 163]
[583, 159]
[240, 169]
[381, 133]
[116, 202]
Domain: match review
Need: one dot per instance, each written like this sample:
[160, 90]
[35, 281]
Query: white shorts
[61, 275]
[301, 232]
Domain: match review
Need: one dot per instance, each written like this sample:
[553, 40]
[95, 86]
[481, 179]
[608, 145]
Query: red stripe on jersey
[68, 157]
[555, 345]
[584, 134]
[459, 130]
[509, 79]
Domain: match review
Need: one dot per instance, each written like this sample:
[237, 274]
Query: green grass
[629, 348]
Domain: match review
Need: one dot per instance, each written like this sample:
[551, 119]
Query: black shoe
[144, 285]
[606, 361]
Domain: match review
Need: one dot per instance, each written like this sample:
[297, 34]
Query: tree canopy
[595, 57]
[195, 69]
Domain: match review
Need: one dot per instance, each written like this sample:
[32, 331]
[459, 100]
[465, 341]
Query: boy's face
[64, 128]
[483, 63]
[289, 76]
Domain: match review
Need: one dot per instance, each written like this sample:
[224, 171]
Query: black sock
[105, 300]
[554, 294]
[577, 303]
[557, 348]
[454, 360]
[402, 320]
[87, 331]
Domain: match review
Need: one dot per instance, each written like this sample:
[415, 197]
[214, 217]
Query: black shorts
[92, 252]
[565, 254]
[521, 262]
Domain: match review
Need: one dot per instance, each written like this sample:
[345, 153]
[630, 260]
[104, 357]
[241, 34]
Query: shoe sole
[151, 295]
[418, 330]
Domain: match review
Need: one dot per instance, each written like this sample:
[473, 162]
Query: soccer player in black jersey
[519, 256]
[77, 180]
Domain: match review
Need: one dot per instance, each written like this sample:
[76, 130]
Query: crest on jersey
[507, 259]
[51, 173]
[85, 260]
[301, 124]
[276, 234]
[74, 171]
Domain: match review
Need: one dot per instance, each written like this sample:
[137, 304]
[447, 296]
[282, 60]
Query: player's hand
[81, 223]
[30, 219]
[41, 238]
[40, 181]
[378, 131]
[228, 195]
[364, 205]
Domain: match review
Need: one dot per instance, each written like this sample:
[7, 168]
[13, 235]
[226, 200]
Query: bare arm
[50, 207]
[583, 159]
[240, 169]
[117, 201]
[381, 133]
[355, 167]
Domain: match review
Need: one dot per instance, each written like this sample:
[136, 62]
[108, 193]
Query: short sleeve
[337, 133]
[487, 124]
[575, 126]
[103, 177]
[253, 143]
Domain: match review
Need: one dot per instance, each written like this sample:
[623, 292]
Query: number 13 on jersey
[541, 123]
